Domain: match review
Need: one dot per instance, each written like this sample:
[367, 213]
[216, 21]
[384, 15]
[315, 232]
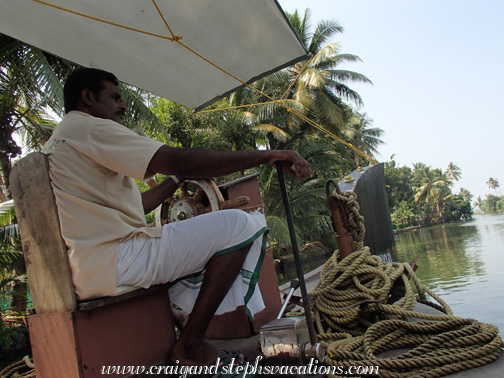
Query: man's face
[109, 104]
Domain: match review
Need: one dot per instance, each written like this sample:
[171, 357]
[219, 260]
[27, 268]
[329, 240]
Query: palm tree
[320, 81]
[139, 117]
[442, 191]
[359, 133]
[433, 189]
[478, 202]
[453, 172]
[465, 194]
[426, 177]
[493, 183]
[313, 89]
[28, 87]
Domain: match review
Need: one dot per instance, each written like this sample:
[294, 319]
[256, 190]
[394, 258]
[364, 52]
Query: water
[463, 263]
[290, 273]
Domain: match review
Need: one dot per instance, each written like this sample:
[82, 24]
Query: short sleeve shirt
[92, 164]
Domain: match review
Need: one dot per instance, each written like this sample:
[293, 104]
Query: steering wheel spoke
[196, 197]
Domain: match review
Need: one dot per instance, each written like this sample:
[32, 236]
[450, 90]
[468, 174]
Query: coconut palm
[359, 133]
[321, 79]
[315, 88]
[433, 189]
[465, 194]
[28, 87]
[425, 176]
[453, 172]
[478, 202]
[493, 183]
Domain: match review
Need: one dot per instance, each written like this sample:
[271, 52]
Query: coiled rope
[20, 369]
[356, 320]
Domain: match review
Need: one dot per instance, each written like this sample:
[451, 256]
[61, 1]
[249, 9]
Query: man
[93, 160]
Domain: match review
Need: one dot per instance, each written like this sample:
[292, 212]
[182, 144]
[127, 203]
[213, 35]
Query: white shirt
[92, 164]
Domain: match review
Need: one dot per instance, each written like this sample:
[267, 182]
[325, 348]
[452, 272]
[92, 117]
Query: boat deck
[250, 346]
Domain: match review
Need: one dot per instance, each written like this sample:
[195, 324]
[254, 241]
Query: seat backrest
[44, 249]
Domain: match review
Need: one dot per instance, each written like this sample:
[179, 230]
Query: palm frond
[279, 230]
[275, 131]
[345, 92]
[327, 56]
[348, 76]
[313, 78]
[139, 116]
[324, 31]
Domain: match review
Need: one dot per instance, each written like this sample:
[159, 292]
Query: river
[463, 263]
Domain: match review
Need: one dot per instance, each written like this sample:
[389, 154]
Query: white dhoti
[181, 254]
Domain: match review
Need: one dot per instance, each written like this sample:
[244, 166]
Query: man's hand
[293, 163]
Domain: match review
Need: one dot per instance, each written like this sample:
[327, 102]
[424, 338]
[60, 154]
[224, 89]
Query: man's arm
[199, 163]
[155, 196]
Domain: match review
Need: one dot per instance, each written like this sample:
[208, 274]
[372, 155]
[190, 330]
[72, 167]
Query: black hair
[85, 78]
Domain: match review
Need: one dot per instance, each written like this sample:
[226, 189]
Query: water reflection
[463, 263]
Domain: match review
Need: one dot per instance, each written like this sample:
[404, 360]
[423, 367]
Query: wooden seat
[74, 339]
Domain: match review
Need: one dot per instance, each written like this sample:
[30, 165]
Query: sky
[437, 68]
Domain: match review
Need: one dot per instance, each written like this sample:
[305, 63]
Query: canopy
[192, 52]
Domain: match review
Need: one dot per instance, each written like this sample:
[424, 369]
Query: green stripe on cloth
[249, 278]
[243, 244]
[255, 275]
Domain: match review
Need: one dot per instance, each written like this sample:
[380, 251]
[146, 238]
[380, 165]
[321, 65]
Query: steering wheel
[195, 197]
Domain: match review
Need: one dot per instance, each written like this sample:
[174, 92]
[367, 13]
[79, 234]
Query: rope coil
[20, 369]
[356, 320]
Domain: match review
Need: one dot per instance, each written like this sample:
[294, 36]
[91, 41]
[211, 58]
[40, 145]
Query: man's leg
[221, 271]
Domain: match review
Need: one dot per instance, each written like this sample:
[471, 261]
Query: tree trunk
[5, 169]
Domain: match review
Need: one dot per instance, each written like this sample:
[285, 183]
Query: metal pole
[294, 285]
[297, 256]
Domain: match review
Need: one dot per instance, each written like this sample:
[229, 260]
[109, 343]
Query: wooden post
[369, 185]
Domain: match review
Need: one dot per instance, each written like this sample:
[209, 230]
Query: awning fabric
[137, 41]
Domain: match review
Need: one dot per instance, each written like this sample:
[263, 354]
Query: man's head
[95, 92]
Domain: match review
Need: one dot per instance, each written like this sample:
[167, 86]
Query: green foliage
[493, 204]
[308, 199]
[177, 119]
[12, 268]
[139, 117]
[403, 215]
[11, 339]
[256, 122]
[28, 87]
[493, 183]
[399, 185]
[425, 194]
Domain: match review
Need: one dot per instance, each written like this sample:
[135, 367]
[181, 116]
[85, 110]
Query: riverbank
[419, 226]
